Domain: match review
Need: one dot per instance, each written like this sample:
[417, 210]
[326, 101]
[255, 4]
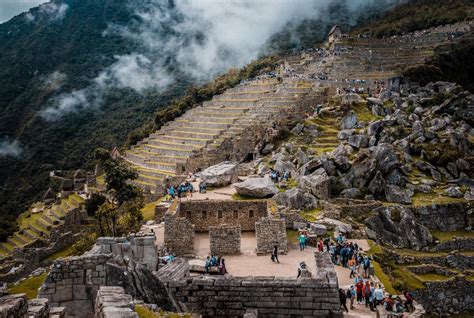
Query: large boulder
[358, 141]
[396, 194]
[316, 183]
[220, 175]
[349, 121]
[336, 225]
[398, 227]
[256, 187]
[296, 199]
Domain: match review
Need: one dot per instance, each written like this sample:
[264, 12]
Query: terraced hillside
[356, 62]
[38, 225]
[205, 128]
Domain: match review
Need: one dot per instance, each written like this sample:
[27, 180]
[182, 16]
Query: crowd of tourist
[213, 261]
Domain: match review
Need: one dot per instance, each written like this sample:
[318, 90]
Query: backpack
[349, 294]
[366, 263]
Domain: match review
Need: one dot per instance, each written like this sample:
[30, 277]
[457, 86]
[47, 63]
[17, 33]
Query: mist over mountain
[80, 74]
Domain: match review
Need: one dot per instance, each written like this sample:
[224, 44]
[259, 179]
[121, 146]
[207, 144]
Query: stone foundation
[179, 235]
[269, 231]
[270, 296]
[206, 213]
[224, 239]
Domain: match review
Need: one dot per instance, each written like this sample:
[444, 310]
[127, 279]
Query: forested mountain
[76, 75]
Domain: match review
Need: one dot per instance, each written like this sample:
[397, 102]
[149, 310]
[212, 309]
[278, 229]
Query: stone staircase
[164, 153]
[39, 225]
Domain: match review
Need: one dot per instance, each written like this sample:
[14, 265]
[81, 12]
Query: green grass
[421, 199]
[363, 113]
[29, 286]
[144, 312]
[404, 279]
[148, 210]
[292, 236]
[311, 215]
[448, 236]
[238, 197]
[384, 279]
[409, 252]
[65, 252]
[374, 248]
[432, 277]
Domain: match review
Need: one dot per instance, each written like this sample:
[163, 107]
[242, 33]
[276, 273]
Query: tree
[121, 212]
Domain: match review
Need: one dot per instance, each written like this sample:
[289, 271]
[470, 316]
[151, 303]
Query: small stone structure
[113, 302]
[206, 213]
[271, 230]
[179, 235]
[74, 282]
[225, 239]
[140, 248]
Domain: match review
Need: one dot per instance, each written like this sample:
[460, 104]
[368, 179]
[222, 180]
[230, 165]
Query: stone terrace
[204, 129]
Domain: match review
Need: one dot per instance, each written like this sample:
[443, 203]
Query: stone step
[145, 185]
[39, 231]
[6, 248]
[150, 180]
[229, 103]
[208, 119]
[207, 112]
[244, 95]
[42, 224]
[30, 233]
[154, 172]
[187, 140]
[203, 124]
[14, 242]
[192, 134]
[46, 218]
[23, 239]
[57, 212]
[168, 151]
[251, 88]
[156, 165]
[163, 142]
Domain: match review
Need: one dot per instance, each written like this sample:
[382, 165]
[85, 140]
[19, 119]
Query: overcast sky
[11, 8]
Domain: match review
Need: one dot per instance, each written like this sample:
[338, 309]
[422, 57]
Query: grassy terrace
[29, 286]
[448, 236]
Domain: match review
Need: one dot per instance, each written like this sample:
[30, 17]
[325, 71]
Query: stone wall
[225, 239]
[445, 217]
[113, 302]
[457, 244]
[268, 231]
[33, 257]
[176, 270]
[179, 235]
[13, 306]
[452, 296]
[271, 296]
[206, 213]
[73, 283]
[139, 248]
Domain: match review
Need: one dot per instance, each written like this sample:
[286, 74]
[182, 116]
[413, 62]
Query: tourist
[222, 269]
[366, 265]
[275, 253]
[359, 288]
[378, 294]
[320, 245]
[372, 297]
[353, 296]
[302, 240]
[366, 294]
[302, 266]
[202, 187]
[343, 299]
[207, 264]
[408, 301]
[352, 265]
[286, 176]
[326, 242]
[388, 303]
[172, 192]
[214, 260]
[332, 252]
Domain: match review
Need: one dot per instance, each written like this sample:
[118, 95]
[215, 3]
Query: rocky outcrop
[398, 227]
[220, 175]
[296, 199]
[13, 306]
[256, 187]
[316, 183]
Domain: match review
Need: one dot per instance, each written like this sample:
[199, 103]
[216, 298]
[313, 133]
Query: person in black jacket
[343, 299]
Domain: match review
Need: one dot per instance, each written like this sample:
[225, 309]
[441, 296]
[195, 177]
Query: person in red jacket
[359, 288]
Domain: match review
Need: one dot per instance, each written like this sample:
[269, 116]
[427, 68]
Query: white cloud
[51, 11]
[201, 38]
[10, 148]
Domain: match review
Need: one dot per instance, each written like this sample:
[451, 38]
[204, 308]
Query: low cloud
[51, 11]
[10, 148]
[200, 38]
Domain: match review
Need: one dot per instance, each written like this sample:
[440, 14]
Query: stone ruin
[102, 285]
[224, 221]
